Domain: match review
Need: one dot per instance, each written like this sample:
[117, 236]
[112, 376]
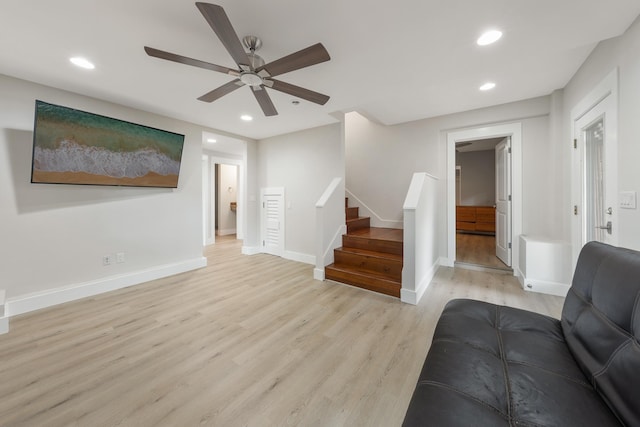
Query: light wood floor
[246, 341]
[478, 249]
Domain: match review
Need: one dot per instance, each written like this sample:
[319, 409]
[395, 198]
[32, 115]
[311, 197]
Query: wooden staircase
[370, 258]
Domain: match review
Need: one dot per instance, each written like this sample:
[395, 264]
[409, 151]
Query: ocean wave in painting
[69, 156]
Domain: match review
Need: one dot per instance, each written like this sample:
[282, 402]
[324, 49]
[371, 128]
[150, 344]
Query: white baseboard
[544, 287]
[318, 273]
[446, 262]
[250, 250]
[290, 255]
[414, 297]
[225, 232]
[299, 257]
[36, 301]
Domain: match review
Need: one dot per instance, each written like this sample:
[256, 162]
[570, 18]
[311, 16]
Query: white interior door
[503, 201]
[596, 147]
[272, 220]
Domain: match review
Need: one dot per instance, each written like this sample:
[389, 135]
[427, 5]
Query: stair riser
[373, 284]
[353, 213]
[389, 267]
[372, 245]
[358, 224]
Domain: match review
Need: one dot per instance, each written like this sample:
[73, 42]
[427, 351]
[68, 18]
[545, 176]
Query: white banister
[421, 254]
[330, 225]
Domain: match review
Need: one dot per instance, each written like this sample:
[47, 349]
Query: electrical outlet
[107, 259]
[120, 257]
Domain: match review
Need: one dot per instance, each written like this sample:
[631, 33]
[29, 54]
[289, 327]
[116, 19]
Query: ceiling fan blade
[264, 100]
[189, 61]
[221, 91]
[219, 22]
[297, 91]
[303, 58]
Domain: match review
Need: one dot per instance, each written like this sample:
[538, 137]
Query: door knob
[606, 227]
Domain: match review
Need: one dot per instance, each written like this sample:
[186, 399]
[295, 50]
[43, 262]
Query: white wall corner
[318, 274]
[414, 297]
[250, 250]
[445, 262]
[39, 300]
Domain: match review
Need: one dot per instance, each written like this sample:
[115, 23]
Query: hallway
[479, 250]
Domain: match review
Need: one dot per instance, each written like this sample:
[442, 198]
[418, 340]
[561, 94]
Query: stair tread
[376, 254]
[363, 273]
[359, 218]
[389, 234]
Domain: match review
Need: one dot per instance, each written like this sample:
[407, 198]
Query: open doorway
[476, 202]
[514, 196]
[223, 188]
[226, 199]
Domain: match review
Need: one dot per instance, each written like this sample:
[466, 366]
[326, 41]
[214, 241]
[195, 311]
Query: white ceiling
[393, 61]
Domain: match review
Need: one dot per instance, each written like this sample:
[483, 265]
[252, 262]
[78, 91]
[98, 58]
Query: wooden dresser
[476, 218]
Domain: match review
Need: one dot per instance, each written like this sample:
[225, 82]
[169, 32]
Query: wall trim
[545, 287]
[318, 274]
[414, 297]
[250, 250]
[446, 261]
[299, 257]
[39, 300]
[226, 232]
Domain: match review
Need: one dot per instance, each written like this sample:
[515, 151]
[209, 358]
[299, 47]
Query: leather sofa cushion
[493, 365]
[601, 323]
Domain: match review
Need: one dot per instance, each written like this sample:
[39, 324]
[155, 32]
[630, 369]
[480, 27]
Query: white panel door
[273, 220]
[503, 201]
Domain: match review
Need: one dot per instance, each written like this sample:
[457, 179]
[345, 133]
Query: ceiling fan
[252, 70]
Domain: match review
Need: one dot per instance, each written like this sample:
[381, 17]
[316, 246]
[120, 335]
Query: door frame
[513, 130]
[606, 89]
[209, 196]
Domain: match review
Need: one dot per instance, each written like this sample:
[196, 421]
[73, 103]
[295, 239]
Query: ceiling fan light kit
[252, 70]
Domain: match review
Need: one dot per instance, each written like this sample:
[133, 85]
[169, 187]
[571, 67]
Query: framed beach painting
[76, 147]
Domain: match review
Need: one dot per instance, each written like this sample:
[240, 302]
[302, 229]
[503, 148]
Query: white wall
[380, 161]
[55, 236]
[304, 163]
[621, 52]
[478, 173]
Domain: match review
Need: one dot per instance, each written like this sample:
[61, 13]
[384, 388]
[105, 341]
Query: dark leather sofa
[493, 366]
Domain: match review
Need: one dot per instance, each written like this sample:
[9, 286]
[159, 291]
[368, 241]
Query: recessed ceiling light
[488, 86]
[211, 140]
[246, 117]
[82, 62]
[489, 37]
